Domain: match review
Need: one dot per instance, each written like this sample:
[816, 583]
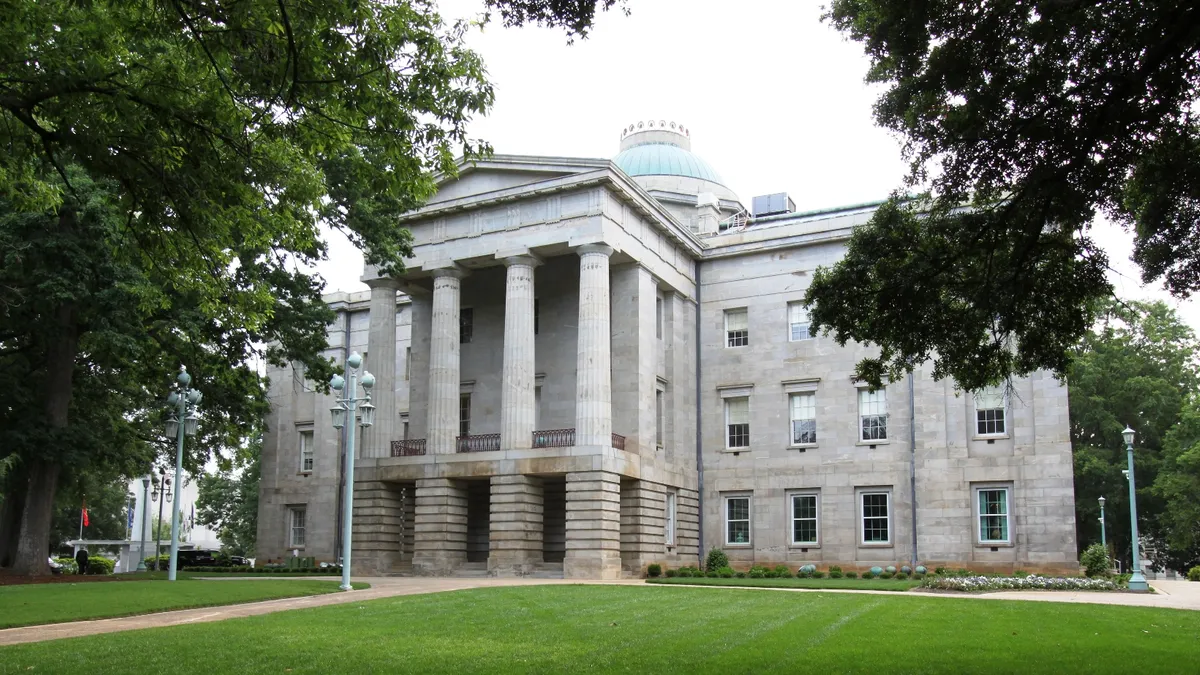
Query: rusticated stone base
[593, 525]
[440, 526]
[516, 525]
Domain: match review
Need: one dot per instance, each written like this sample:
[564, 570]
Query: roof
[661, 159]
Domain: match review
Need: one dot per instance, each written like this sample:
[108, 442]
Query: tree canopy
[1022, 122]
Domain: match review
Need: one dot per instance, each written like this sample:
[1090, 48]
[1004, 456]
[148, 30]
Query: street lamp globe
[1128, 435]
[338, 413]
[367, 412]
[189, 424]
[172, 427]
[1101, 502]
[368, 381]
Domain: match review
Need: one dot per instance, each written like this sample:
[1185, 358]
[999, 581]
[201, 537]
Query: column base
[440, 527]
[604, 565]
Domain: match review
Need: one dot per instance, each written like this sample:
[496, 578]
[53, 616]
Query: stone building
[592, 365]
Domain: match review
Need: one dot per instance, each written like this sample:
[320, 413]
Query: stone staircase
[471, 570]
[548, 571]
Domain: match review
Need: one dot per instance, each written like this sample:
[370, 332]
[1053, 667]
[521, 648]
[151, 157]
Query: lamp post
[182, 422]
[350, 403]
[164, 489]
[1103, 535]
[1137, 582]
[141, 566]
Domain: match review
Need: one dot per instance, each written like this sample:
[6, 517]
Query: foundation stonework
[558, 385]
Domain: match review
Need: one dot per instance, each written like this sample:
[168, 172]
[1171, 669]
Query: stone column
[515, 539]
[593, 393]
[444, 349]
[440, 528]
[381, 362]
[634, 357]
[517, 392]
[593, 525]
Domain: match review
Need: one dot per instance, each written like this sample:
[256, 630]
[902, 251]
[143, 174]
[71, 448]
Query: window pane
[466, 324]
[989, 422]
[875, 517]
[736, 319]
[464, 414]
[991, 397]
[798, 323]
[872, 408]
[738, 508]
[737, 410]
[737, 520]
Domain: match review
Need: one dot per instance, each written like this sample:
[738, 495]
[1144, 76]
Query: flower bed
[1033, 583]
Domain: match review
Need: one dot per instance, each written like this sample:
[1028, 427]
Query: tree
[1178, 485]
[209, 196]
[107, 505]
[1137, 367]
[228, 501]
[1022, 121]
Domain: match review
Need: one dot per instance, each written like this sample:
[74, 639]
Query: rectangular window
[466, 325]
[993, 515]
[298, 516]
[407, 362]
[658, 411]
[872, 412]
[876, 521]
[804, 418]
[798, 323]
[737, 422]
[737, 520]
[537, 408]
[464, 414]
[306, 450]
[670, 533]
[804, 519]
[536, 316]
[989, 412]
[658, 318]
[737, 328]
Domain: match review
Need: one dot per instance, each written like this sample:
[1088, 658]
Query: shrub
[654, 570]
[1020, 574]
[716, 559]
[740, 575]
[771, 574]
[756, 573]
[963, 572]
[671, 573]
[711, 574]
[1031, 582]
[726, 572]
[900, 575]
[940, 571]
[835, 573]
[783, 570]
[818, 574]
[887, 575]
[834, 568]
[1095, 562]
[1194, 573]
[98, 564]
[851, 575]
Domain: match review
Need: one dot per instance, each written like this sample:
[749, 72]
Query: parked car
[238, 561]
[197, 558]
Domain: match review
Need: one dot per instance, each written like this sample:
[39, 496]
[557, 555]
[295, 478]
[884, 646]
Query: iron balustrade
[554, 438]
[478, 443]
[408, 448]
[618, 442]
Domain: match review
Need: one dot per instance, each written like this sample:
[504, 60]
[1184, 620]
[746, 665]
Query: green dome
[661, 159]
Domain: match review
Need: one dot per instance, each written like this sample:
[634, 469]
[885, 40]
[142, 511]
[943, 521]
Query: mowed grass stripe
[600, 629]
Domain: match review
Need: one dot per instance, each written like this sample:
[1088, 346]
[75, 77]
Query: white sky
[774, 98]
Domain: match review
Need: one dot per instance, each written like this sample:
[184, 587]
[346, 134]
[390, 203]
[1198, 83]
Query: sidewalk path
[1172, 595]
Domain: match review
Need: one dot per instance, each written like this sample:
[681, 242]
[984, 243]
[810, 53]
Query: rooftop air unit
[771, 205]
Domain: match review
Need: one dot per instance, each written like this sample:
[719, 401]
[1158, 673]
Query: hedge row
[263, 570]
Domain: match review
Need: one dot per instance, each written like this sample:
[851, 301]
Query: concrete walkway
[1171, 595]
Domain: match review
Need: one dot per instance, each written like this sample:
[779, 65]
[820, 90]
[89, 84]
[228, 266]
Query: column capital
[385, 282]
[527, 259]
[451, 271]
[587, 249]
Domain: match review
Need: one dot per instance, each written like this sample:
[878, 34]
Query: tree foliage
[228, 503]
[1022, 121]
[576, 16]
[1178, 485]
[107, 505]
[1137, 367]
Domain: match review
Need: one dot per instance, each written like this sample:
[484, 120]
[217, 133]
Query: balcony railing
[478, 443]
[408, 448]
[554, 438]
[549, 438]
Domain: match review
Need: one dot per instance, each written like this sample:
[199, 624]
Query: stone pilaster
[593, 525]
[381, 362]
[440, 528]
[517, 389]
[516, 525]
[634, 357]
[687, 525]
[378, 521]
[444, 351]
[643, 524]
[408, 521]
[593, 393]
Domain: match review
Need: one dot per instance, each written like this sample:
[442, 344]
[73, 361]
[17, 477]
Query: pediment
[501, 172]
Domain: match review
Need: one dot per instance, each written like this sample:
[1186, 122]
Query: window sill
[304, 473]
[877, 545]
[994, 544]
[802, 446]
[728, 545]
[807, 547]
[991, 437]
[885, 441]
[736, 450]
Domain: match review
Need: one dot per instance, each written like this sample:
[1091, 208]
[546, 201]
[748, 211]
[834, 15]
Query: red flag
[85, 518]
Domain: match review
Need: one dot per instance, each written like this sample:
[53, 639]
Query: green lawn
[30, 604]
[649, 629]
[854, 584]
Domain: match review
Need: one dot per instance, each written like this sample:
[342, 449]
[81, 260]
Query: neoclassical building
[592, 365]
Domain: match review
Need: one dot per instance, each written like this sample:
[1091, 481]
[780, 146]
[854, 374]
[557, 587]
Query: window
[658, 412]
[407, 362]
[872, 412]
[804, 519]
[798, 322]
[537, 408]
[464, 414]
[298, 516]
[989, 412]
[536, 317]
[804, 418]
[993, 515]
[670, 533]
[658, 317]
[737, 520]
[737, 328]
[405, 437]
[737, 422]
[876, 521]
[466, 325]
[306, 450]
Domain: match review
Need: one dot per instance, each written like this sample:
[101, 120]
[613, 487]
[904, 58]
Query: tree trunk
[10, 514]
[33, 544]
